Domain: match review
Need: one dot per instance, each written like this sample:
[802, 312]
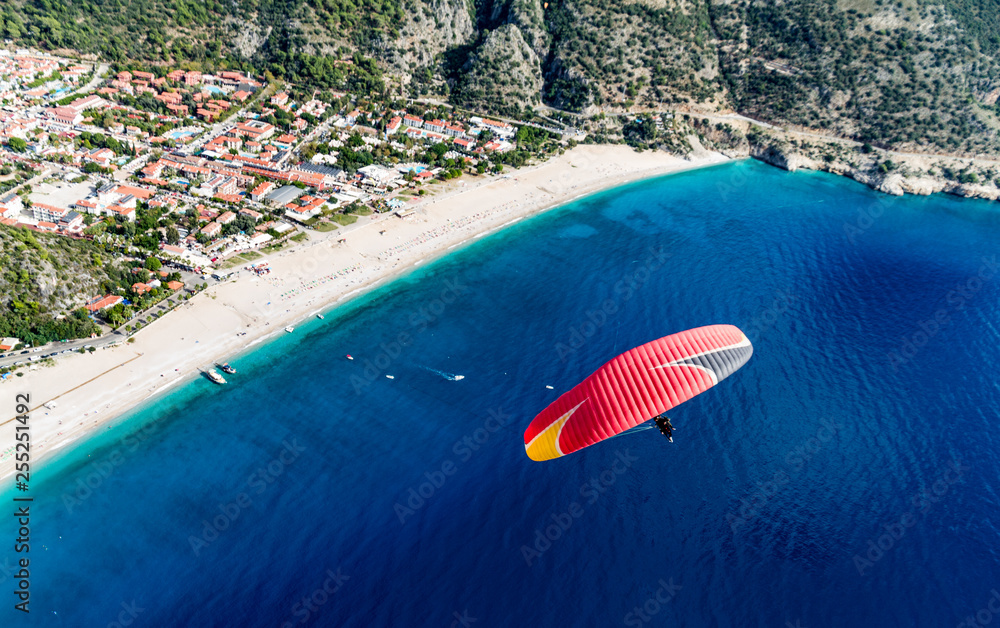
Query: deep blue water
[874, 321]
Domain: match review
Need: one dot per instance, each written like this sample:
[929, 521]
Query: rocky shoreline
[909, 174]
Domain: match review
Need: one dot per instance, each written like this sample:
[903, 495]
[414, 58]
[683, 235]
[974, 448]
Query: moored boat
[216, 377]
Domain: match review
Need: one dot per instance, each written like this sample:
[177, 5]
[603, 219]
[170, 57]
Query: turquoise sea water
[846, 476]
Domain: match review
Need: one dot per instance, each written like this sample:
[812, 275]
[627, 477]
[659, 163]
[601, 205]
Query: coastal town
[185, 176]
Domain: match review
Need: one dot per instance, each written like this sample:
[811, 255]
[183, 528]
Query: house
[414, 121]
[379, 175]
[255, 130]
[212, 229]
[304, 208]
[284, 141]
[100, 156]
[99, 303]
[88, 206]
[154, 170]
[226, 218]
[219, 184]
[454, 130]
[131, 190]
[141, 288]
[128, 213]
[251, 213]
[72, 222]
[425, 134]
[192, 78]
[8, 344]
[503, 146]
[435, 125]
[88, 102]
[175, 285]
[262, 190]
[260, 238]
[48, 213]
[10, 205]
[279, 99]
[65, 115]
[393, 125]
[500, 128]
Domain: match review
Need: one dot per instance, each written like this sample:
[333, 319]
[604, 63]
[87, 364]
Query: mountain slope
[902, 73]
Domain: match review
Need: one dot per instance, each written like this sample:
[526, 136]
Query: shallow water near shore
[846, 476]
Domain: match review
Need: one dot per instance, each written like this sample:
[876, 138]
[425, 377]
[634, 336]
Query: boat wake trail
[449, 376]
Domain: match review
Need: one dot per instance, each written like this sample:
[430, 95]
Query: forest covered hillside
[906, 74]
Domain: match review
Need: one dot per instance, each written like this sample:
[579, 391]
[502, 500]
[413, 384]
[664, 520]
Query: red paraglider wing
[636, 386]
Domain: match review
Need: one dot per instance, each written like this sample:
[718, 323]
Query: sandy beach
[91, 390]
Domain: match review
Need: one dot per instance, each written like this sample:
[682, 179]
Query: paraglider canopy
[636, 386]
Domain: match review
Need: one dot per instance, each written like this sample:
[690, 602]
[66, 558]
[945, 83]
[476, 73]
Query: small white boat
[319, 316]
[216, 377]
[389, 377]
[289, 329]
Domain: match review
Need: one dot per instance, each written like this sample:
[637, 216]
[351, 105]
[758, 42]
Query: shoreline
[92, 391]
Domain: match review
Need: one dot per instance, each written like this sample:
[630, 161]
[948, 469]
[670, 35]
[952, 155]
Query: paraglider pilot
[666, 427]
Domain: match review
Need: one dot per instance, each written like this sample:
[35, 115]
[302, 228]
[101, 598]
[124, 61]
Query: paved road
[94, 82]
[35, 180]
[60, 347]
[55, 348]
[571, 132]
